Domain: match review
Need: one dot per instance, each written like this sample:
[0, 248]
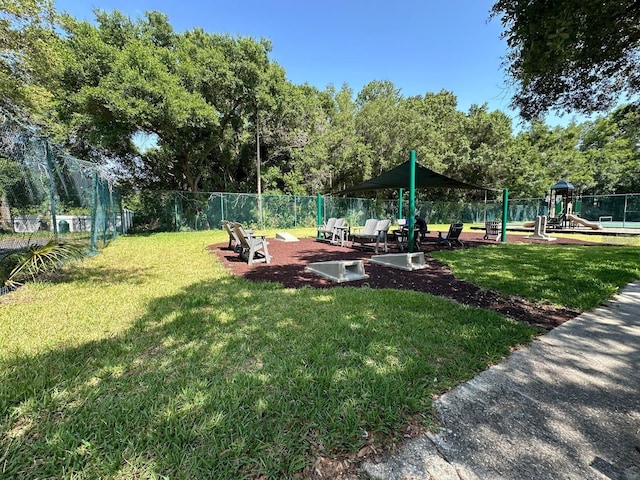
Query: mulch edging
[290, 258]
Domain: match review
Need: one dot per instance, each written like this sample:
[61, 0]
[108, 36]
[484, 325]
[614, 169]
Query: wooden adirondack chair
[368, 230]
[234, 243]
[340, 232]
[326, 229]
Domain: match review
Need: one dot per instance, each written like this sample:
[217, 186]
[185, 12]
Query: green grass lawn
[151, 361]
[574, 276]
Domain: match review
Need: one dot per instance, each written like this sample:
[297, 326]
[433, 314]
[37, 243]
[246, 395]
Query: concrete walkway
[566, 407]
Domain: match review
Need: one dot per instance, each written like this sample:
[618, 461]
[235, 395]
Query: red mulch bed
[290, 258]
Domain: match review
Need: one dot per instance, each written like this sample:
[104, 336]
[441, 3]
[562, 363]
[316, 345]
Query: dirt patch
[290, 258]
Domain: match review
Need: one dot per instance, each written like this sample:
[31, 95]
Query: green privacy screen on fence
[202, 211]
[185, 211]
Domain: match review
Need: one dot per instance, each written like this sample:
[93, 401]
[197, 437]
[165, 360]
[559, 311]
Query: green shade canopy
[399, 177]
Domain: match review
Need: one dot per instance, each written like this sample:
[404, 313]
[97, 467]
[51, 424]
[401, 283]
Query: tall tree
[612, 146]
[437, 130]
[579, 55]
[196, 92]
[29, 57]
[380, 125]
[348, 156]
[546, 155]
[488, 141]
[289, 117]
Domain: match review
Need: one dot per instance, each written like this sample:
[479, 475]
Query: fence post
[93, 246]
[505, 214]
[123, 228]
[319, 214]
[103, 204]
[175, 210]
[114, 215]
[221, 206]
[52, 188]
[485, 207]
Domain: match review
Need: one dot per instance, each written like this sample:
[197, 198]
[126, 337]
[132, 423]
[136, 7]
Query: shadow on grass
[229, 379]
[101, 275]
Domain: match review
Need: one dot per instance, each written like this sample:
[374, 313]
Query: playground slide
[582, 221]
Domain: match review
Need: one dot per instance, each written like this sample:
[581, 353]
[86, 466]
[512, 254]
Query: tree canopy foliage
[196, 92]
[214, 103]
[580, 55]
[29, 59]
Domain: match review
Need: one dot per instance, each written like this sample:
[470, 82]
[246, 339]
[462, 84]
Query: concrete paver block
[286, 237]
[403, 261]
[339, 271]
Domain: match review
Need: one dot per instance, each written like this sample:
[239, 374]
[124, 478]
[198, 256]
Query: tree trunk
[5, 215]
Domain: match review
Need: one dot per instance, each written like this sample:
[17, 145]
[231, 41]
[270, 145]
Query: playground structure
[564, 209]
[574, 219]
[561, 203]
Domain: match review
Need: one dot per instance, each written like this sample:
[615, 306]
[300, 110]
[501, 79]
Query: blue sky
[420, 46]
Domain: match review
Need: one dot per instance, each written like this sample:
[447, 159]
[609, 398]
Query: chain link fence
[185, 211]
[45, 193]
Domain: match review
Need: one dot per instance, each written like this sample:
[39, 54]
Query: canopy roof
[399, 177]
[563, 185]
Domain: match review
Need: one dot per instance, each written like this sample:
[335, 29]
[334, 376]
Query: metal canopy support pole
[400, 193]
[259, 181]
[412, 199]
[505, 214]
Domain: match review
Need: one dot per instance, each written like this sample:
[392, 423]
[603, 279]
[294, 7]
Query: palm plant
[34, 258]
